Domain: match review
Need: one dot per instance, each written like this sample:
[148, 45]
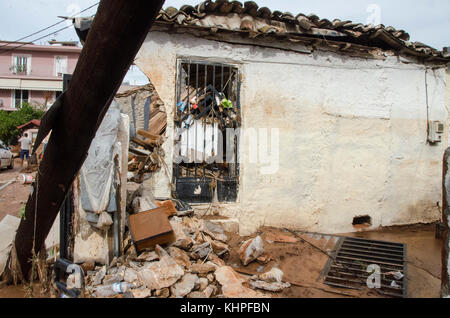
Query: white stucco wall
[352, 134]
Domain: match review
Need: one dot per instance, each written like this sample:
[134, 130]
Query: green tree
[10, 120]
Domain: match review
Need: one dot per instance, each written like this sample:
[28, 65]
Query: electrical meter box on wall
[435, 131]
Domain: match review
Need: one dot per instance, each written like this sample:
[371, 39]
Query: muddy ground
[14, 196]
[301, 262]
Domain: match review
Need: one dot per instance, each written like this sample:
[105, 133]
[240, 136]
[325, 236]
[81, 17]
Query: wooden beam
[155, 139]
[117, 33]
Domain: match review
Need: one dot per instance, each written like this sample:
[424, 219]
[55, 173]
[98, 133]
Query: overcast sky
[427, 21]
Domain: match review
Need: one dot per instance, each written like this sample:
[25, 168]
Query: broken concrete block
[272, 287]
[251, 250]
[160, 251]
[210, 277]
[203, 283]
[8, 228]
[202, 269]
[220, 248]
[216, 260]
[88, 266]
[180, 257]
[201, 251]
[214, 230]
[232, 284]
[162, 274]
[141, 293]
[275, 275]
[147, 257]
[264, 259]
[98, 279]
[185, 286]
[197, 294]
[132, 192]
[184, 244]
[163, 293]
[90, 244]
[228, 225]
[209, 291]
[183, 240]
[130, 276]
[116, 276]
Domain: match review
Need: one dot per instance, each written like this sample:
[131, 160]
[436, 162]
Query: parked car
[6, 156]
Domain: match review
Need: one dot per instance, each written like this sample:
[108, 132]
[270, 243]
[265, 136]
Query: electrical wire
[23, 44]
[45, 29]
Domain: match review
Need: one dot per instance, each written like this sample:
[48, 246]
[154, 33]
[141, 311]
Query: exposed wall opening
[208, 111]
[362, 221]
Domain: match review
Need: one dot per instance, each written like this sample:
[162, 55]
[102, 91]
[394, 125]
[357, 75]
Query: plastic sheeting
[98, 181]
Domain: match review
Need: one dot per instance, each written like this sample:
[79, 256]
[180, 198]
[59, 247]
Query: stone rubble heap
[190, 267]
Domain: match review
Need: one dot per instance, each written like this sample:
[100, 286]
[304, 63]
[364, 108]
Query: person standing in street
[25, 144]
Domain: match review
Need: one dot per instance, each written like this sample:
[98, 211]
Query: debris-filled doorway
[207, 121]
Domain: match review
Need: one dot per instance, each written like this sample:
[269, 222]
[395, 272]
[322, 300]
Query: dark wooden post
[445, 291]
[116, 35]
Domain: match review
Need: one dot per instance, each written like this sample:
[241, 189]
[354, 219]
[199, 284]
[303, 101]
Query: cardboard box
[151, 228]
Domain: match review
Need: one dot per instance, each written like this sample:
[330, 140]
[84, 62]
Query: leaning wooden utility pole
[116, 35]
[445, 291]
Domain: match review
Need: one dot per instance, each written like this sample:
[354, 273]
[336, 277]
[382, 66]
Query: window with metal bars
[208, 119]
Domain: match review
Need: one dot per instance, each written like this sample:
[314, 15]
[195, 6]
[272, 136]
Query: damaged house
[294, 121]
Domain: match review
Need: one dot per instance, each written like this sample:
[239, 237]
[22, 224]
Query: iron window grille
[207, 122]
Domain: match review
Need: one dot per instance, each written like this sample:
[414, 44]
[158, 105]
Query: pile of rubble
[191, 266]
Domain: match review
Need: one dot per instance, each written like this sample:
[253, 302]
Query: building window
[60, 65]
[208, 108]
[21, 65]
[20, 97]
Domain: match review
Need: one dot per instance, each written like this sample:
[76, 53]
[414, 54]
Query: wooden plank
[158, 123]
[144, 143]
[7, 184]
[115, 37]
[156, 139]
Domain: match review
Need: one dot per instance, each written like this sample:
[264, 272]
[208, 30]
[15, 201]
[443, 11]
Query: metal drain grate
[347, 268]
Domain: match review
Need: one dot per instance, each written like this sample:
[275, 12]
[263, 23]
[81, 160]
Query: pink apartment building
[34, 73]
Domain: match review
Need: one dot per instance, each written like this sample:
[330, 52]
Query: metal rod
[359, 246]
[364, 241]
[189, 111]
[196, 127]
[368, 261]
[204, 124]
[370, 252]
[370, 257]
